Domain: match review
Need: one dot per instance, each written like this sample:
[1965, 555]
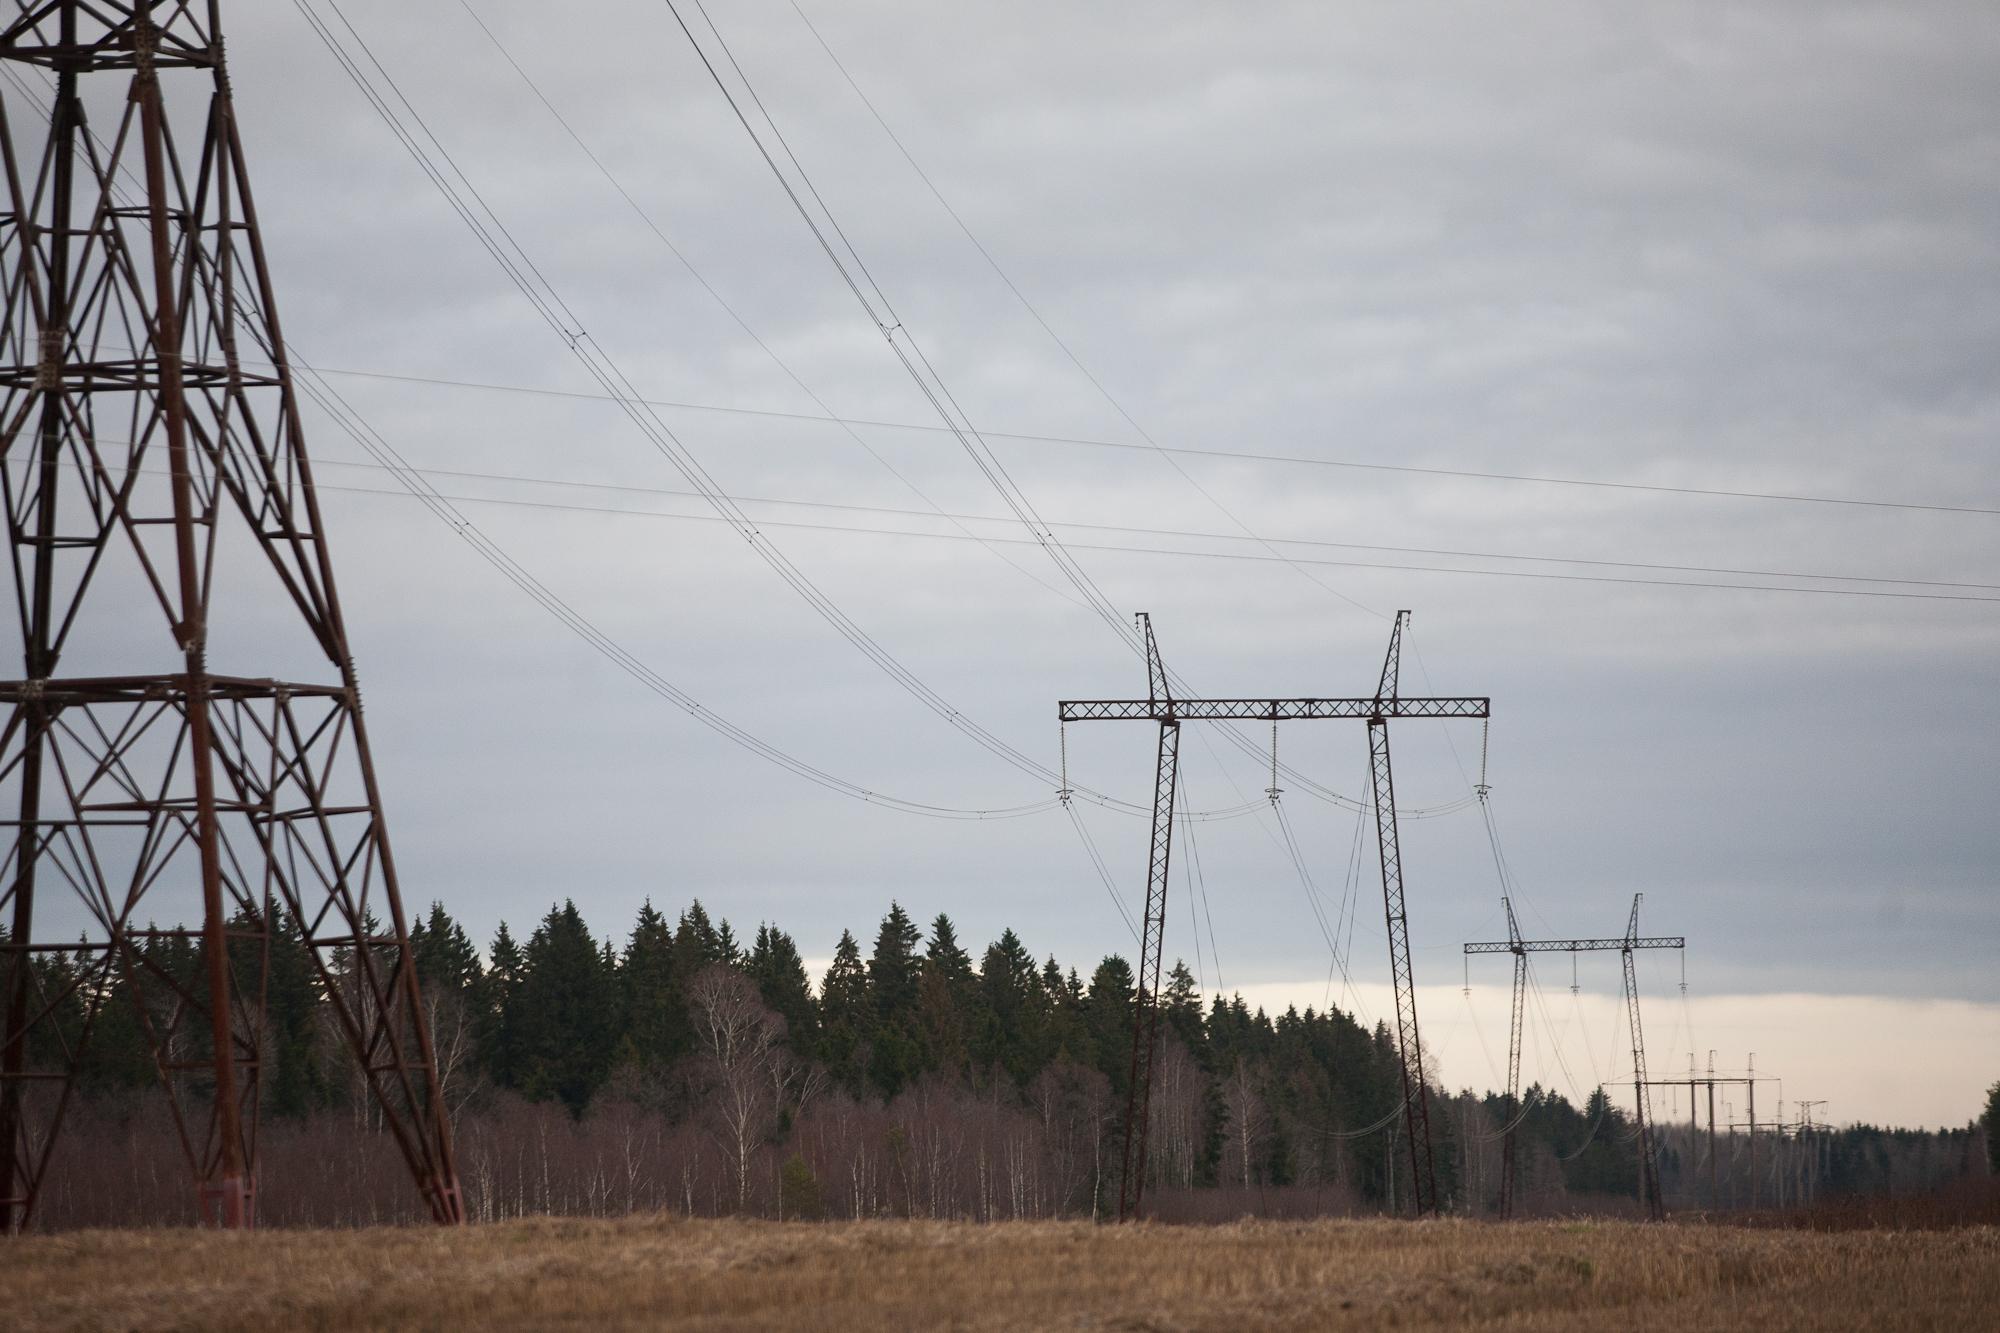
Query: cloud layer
[1745, 247]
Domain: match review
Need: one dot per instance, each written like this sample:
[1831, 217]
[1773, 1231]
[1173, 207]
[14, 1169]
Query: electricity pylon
[1649, 1166]
[151, 453]
[1511, 1108]
[1161, 707]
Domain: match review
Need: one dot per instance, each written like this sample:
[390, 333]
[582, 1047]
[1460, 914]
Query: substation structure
[1710, 1081]
[151, 451]
[1168, 712]
[1630, 942]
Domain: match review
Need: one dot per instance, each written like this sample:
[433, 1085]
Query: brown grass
[1249, 1275]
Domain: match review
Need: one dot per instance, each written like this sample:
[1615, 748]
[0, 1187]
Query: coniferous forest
[682, 1068]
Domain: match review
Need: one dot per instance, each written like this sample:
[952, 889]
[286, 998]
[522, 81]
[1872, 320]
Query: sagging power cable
[528, 278]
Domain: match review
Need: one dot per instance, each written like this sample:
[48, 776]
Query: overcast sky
[1744, 248]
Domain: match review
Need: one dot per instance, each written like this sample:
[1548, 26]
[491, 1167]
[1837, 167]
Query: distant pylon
[151, 455]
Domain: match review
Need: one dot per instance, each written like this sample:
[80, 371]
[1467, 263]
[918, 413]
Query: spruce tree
[846, 1015]
[893, 986]
[447, 964]
[1107, 1020]
[943, 956]
[656, 1030]
[566, 1011]
[1180, 1005]
[780, 977]
[697, 943]
[1060, 1028]
[1009, 992]
[298, 1083]
[946, 994]
[118, 1059]
[499, 1008]
[1989, 1120]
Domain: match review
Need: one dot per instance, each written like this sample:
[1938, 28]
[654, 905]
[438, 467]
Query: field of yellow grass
[872, 1275]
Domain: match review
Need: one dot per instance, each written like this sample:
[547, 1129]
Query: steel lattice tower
[151, 456]
[1627, 944]
[1162, 707]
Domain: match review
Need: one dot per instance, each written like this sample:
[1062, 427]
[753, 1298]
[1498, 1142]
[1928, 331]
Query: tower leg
[1649, 1163]
[172, 792]
[1513, 1104]
[1146, 1002]
[1416, 1092]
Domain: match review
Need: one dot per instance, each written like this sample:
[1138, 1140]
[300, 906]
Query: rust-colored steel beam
[136, 455]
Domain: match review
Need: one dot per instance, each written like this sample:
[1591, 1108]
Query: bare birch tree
[739, 1041]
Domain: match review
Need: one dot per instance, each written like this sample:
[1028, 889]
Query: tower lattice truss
[184, 756]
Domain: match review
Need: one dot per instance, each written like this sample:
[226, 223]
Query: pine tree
[846, 1015]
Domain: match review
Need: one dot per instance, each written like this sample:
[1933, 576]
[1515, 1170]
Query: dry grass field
[739, 1275]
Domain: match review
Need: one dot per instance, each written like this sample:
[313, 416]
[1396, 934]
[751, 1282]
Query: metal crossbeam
[1266, 710]
[1577, 946]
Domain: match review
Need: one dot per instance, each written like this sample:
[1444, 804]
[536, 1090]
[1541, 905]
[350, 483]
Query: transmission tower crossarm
[1615, 944]
[1299, 709]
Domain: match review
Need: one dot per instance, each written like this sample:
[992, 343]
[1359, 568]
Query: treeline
[681, 1068]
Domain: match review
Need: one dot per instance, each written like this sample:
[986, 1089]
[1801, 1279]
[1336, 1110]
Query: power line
[1049, 329]
[1110, 548]
[620, 389]
[660, 234]
[886, 322]
[377, 446]
[443, 508]
[530, 280]
[927, 380]
[1153, 444]
[1229, 455]
[1183, 533]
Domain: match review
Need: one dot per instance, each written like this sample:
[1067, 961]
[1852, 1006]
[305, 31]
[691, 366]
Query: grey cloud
[1739, 246]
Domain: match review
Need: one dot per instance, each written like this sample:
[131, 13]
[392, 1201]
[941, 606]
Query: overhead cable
[1226, 455]
[527, 277]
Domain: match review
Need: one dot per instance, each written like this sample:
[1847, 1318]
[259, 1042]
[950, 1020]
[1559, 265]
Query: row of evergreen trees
[555, 1016]
[568, 1018]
